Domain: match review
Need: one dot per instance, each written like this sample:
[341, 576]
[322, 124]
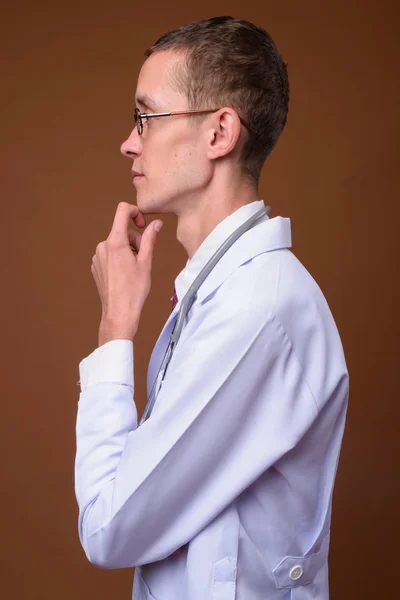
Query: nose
[132, 146]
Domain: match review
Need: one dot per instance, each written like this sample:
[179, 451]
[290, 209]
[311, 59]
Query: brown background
[69, 78]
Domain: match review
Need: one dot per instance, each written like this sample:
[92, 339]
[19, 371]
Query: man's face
[170, 153]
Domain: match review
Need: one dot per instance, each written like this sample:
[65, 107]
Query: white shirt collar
[212, 242]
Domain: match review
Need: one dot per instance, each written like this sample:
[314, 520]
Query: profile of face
[175, 155]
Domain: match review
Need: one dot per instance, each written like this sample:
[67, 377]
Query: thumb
[148, 241]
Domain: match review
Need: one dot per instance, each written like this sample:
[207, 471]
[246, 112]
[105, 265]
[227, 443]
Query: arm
[234, 401]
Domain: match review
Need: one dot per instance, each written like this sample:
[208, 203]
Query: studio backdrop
[69, 74]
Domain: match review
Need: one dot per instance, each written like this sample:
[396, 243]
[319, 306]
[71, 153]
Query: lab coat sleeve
[234, 401]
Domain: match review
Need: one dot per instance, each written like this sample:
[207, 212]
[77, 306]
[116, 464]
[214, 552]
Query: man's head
[222, 64]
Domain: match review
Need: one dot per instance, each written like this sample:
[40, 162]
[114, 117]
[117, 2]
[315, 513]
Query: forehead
[154, 89]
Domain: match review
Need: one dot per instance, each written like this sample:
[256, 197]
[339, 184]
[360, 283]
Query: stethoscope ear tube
[187, 303]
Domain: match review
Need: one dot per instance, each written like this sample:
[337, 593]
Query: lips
[137, 174]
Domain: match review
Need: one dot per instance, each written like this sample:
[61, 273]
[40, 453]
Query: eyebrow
[147, 102]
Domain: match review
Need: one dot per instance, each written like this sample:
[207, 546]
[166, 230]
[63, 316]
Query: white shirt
[238, 460]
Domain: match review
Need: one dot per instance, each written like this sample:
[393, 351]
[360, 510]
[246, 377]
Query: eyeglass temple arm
[192, 112]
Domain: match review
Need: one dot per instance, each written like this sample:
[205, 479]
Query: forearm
[106, 416]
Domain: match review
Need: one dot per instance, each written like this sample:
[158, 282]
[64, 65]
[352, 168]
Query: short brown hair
[232, 62]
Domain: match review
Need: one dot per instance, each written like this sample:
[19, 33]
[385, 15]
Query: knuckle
[115, 244]
[112, 242]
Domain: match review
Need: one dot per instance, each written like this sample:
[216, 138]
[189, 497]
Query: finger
[99, 259]
[148, 241]
[100, 263]
[139, 220]
[124, 214]
[135, 238]
[97, 282]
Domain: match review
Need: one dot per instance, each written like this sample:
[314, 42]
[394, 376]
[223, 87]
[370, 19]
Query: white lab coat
[238, 459]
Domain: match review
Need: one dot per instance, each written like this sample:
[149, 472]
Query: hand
[121, 269]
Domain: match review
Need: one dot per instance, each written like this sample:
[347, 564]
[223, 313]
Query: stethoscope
[187, 302]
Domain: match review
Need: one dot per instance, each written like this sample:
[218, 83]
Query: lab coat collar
[267, 235]
[211, 243]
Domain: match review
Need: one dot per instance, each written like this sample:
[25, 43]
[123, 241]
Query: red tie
[174, 299]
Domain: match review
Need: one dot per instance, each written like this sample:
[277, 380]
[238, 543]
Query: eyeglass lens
[138, 121]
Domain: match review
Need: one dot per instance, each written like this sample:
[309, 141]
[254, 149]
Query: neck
[201, 217]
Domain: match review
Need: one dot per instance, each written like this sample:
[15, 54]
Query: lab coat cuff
[110, 363]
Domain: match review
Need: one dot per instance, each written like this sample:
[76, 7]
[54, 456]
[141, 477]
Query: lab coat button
[295, 573]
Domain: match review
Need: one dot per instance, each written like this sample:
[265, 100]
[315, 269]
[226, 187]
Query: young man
[225, 491]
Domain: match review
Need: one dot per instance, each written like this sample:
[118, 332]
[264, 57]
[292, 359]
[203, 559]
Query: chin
[148, 204]
[153, 204]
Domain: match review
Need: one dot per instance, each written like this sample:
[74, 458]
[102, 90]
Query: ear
[224, 132]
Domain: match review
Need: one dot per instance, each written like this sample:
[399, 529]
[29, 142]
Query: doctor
[225, 491]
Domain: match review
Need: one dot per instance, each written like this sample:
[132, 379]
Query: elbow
[99, 544]
[103, 556]
[99, 563]
[105, 553]
[106, 543]
[104, 550]
[103, 562]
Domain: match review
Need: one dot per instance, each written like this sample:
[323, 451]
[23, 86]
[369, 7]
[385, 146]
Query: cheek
[175, 161]
[188, 164]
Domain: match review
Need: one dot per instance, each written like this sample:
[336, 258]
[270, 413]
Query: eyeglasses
[140, 116]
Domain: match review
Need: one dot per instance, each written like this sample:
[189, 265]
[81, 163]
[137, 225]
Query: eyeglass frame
[138, 116]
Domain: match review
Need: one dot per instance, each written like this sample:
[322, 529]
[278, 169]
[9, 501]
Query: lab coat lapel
[271, 234]
[160, 348]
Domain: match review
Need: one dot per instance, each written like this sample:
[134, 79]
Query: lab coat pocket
[224, 579]
[225, 569]
[299, 571]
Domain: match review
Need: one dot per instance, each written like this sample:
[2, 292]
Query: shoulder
[277, 285]
[270, 281]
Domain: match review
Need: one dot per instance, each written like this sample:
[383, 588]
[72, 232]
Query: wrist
[111, 331]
